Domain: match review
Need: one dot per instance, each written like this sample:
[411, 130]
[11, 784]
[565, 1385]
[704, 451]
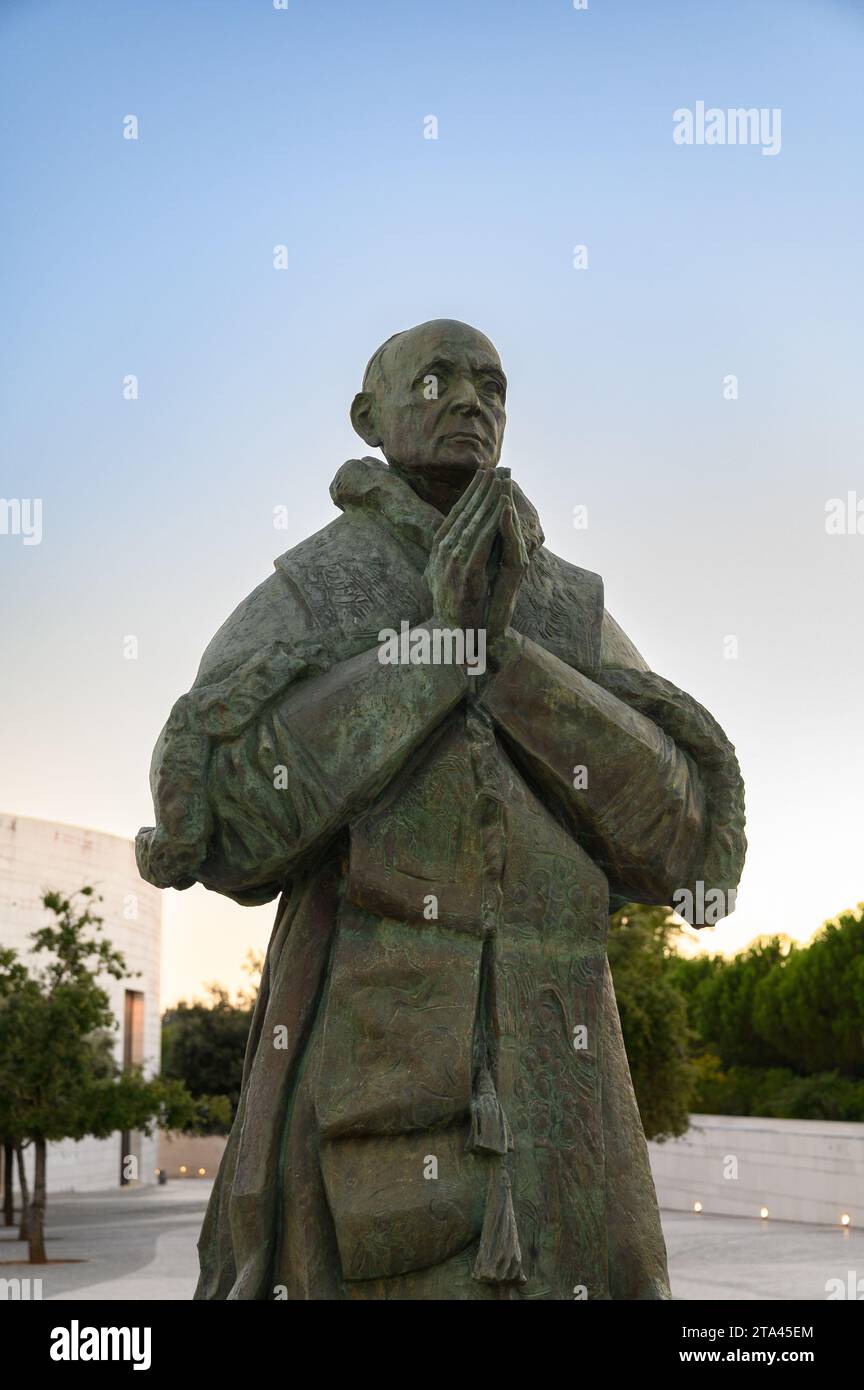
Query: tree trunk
[37, 1210]
[8, 1183]
[23, 1233]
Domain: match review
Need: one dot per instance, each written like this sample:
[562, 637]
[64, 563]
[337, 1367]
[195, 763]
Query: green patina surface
[436, 1099]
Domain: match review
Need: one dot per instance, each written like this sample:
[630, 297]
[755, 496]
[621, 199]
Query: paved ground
[139, 1244]
[133, 1243]
[730, 1258]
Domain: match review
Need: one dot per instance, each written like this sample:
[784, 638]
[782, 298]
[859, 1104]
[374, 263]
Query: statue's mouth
[478, 441]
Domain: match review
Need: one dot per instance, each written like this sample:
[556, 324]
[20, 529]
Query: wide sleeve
[631, 763]
[243, 811]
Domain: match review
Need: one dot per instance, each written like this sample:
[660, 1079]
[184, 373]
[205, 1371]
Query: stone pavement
[139, 1244]
[731, 1258]
[133, 1243]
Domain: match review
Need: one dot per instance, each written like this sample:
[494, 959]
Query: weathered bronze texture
[436, 1100]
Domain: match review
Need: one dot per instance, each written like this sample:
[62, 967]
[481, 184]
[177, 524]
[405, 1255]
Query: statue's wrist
[504, 650]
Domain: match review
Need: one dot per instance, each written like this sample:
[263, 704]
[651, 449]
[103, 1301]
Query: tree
[811, 1012]
[653, 1017]
[13, 976]
[779, 1028]
[8, 1195]
[58, 1078]
[204, 1043]
[722, 995]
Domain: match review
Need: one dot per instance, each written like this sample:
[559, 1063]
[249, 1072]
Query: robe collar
[371, 485]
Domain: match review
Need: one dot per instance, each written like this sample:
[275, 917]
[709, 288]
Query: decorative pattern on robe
[415, 1040]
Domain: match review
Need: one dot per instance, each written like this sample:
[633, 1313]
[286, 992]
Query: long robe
[436, 1101]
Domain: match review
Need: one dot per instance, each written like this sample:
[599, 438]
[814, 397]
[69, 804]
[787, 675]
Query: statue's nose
[465, 398]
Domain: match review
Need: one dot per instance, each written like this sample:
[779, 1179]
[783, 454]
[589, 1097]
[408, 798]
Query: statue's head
[433, 402]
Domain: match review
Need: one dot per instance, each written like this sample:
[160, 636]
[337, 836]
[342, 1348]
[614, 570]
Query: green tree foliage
[812, 1011]
[777, 1092]
[653, 1014]
[776, 1030]
[58, 1079]
[779, 1029]
[204, 1043]
[721, 997]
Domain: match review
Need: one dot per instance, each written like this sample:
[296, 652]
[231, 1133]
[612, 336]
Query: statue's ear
[363, 419]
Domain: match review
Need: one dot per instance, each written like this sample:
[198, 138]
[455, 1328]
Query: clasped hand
[474, 582]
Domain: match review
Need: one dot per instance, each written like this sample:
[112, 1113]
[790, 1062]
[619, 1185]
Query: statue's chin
[455, 469]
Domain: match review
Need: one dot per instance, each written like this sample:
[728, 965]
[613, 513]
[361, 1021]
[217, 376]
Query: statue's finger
[453, 540]
[480, 534]
[513, 550]
[462, 507]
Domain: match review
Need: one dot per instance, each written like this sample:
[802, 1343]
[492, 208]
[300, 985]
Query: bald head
[433, 401]
[434, 333]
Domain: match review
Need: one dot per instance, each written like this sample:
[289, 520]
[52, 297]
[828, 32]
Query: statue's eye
[432, 384]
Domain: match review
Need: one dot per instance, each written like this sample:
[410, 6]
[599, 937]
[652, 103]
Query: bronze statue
[428, 739]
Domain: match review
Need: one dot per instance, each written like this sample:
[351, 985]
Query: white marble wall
[39, 855]
[801, 1170]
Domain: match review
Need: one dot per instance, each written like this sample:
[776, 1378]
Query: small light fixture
[763, 1212]
[845, 1219]
[183, 1168]
[202, 1172]
[697, 1206]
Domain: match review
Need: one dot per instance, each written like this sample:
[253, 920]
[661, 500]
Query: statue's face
[439, 410]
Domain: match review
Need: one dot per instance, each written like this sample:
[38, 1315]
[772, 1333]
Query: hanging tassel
[499, 1259]
[490, 1129]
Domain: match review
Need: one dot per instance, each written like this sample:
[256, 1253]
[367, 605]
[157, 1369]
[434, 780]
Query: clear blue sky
[305, 128]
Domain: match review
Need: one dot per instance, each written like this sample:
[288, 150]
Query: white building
[37, 856]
